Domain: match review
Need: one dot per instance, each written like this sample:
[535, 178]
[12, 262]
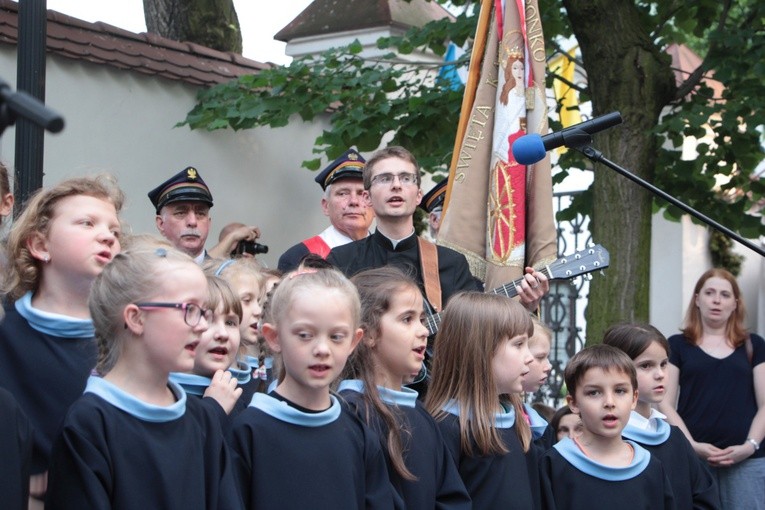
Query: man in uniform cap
[183, 205]
[343, 203]
[433, 203]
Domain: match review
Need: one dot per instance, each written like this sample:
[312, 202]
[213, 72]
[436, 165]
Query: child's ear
[6, 204]
[572, 404]
[133, 319]
[271, 334]
[357, 336]
[634, 399]
[38, 247]
[369, 338]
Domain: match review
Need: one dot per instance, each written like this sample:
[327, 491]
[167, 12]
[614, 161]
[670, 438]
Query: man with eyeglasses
[343, 203]
[392, 190]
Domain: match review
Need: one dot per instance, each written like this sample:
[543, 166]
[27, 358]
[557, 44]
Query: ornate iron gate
[563, 308]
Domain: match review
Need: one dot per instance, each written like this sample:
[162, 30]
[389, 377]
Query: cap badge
[191, 173]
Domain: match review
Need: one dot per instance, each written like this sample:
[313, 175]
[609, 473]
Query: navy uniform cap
[185, 186]
[434, 198]
[349, 164]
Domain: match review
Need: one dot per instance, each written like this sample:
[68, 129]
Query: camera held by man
[249, 247]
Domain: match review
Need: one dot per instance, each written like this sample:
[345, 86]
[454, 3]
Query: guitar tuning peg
[588, 277]
[602, 273]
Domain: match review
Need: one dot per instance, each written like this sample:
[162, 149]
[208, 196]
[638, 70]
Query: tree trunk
[211, 23]
[626, 73]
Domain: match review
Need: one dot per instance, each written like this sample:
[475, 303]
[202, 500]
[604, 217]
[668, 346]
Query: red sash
[318, 246]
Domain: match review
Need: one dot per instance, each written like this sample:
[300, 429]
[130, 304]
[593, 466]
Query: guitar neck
[593, 258]
[510, 289]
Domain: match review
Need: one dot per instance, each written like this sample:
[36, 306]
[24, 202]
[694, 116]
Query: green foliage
[720, 180]
[367, 100]
[721, 249]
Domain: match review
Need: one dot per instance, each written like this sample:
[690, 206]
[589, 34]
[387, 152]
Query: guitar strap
[429, 266]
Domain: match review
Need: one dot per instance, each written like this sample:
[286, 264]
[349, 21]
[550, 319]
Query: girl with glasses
[134, 439]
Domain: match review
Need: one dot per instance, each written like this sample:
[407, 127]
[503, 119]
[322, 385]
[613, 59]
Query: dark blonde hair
[540, 329]
[133, 275]
[24, 270]
[307, 281]
[394, 151]
[604, 357]
[473, 328]
[634, 338]
[228, 269]
[735, 331]
[377, 288]
[220, 294]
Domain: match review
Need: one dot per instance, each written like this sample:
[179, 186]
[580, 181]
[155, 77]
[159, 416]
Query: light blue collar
[283, 411]
[53, 324]
[192, 384]
[135, 407]
[645, 436]
[268, 361]
[407, 397]
[502, 420]
[574, 455]
[242, 372]
[537, 423]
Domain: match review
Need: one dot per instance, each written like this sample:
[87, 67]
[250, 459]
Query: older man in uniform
[343, 203]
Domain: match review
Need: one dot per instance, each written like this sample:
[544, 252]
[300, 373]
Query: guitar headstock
[582, 262]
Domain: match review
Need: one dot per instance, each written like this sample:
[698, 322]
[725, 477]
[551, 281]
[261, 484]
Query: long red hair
[735, 331]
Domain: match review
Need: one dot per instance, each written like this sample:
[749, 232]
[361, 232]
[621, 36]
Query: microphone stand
[582, 142]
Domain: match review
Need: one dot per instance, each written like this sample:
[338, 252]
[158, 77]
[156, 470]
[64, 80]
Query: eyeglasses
[192, 313]
[405, 178]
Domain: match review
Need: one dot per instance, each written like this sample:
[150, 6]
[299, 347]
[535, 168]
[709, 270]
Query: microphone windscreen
[529, 149]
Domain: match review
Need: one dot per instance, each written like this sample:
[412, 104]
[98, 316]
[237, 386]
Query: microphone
[529, 149]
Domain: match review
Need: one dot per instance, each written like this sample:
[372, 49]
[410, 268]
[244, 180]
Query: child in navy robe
[692, 483]
[134, 440]
[62, 240]
[392, 350]
[539, 369]
[15, 452]
[249, 283]
[218, 350]
[481, 356]
[598, 469]
[295, 447]
[541, 434]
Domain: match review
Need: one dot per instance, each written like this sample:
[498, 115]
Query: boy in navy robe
[599, 468]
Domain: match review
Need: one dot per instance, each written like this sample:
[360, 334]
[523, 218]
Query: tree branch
[695, 77]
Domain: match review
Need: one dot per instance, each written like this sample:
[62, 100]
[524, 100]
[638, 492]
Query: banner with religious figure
[498, 212]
